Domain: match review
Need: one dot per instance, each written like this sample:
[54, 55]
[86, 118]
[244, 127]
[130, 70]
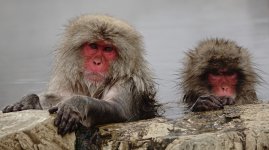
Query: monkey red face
[223, 83]
[98, 58]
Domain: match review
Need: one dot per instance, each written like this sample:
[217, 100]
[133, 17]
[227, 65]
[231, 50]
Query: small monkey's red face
[223, 82]
[98, 57]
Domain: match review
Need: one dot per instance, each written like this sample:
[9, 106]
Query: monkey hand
[30, 101]
[225, 100]
[69, 114]
[207, 103]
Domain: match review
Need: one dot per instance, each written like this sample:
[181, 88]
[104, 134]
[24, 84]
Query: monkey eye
[108, 49]
[230, 72]
[214, 72]
[93, 45]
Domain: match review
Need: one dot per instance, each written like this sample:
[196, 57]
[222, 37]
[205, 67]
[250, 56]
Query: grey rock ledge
[243, 127]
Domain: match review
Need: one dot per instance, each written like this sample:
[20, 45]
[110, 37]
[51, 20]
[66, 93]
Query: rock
[236, 127]
[243, 127]
[31, 130]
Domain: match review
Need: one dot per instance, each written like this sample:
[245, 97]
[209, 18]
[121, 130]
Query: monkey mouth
[95, 77]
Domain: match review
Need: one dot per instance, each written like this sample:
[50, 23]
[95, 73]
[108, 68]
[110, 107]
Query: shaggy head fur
[129, 68]
[91, 28]
[214, 54]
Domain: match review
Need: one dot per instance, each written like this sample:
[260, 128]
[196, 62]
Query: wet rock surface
[235, 127]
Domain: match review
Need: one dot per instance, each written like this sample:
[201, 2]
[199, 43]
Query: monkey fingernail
[5, 109]
[53, 110]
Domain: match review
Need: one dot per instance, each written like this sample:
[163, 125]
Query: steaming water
[30, 30]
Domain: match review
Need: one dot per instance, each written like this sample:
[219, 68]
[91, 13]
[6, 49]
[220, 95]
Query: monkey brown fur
[127, 92]
[209, 57]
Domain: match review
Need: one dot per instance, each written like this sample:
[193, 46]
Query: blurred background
[30, 30]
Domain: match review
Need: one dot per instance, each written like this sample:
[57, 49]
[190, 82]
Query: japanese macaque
[218, 72]
[100, 76]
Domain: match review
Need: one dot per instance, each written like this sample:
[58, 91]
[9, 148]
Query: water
[30, 30]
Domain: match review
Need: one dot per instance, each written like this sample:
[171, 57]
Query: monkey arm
[211, 102]
[206, 103]
[49, 99]
[34, 101]
[30, 101]
[87, 111]
[90, 111]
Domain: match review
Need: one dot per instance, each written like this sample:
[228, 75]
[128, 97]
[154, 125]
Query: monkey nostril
[225, 88]
[97, 62]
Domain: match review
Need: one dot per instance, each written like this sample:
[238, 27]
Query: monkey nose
[97, 61]
[225, 88]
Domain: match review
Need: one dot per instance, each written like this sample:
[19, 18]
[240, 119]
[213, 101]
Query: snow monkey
[218, 72]
[100, 76]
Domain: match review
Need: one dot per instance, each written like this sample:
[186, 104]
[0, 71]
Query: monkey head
[100, 48]
[217, 67]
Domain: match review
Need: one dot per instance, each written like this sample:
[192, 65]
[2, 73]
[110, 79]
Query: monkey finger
[17, 107]
[216, 101]
[5, 109]
[64, 120]
[53, 109]
[76, 123]
[230, 101]
[25, 107]
[75, 126]
[69, 126]
[227, 100]
[65, 117]
[208, 105]
[58, 118]
[9, 108]
[199, 108]
[223, 100]
[62, 129]
[209, 98]
[214, 105]
[60, 132]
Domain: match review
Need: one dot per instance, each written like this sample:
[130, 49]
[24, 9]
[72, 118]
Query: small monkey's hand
[225, 100]
[206, 103]
[69, 115]
[30, 101]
